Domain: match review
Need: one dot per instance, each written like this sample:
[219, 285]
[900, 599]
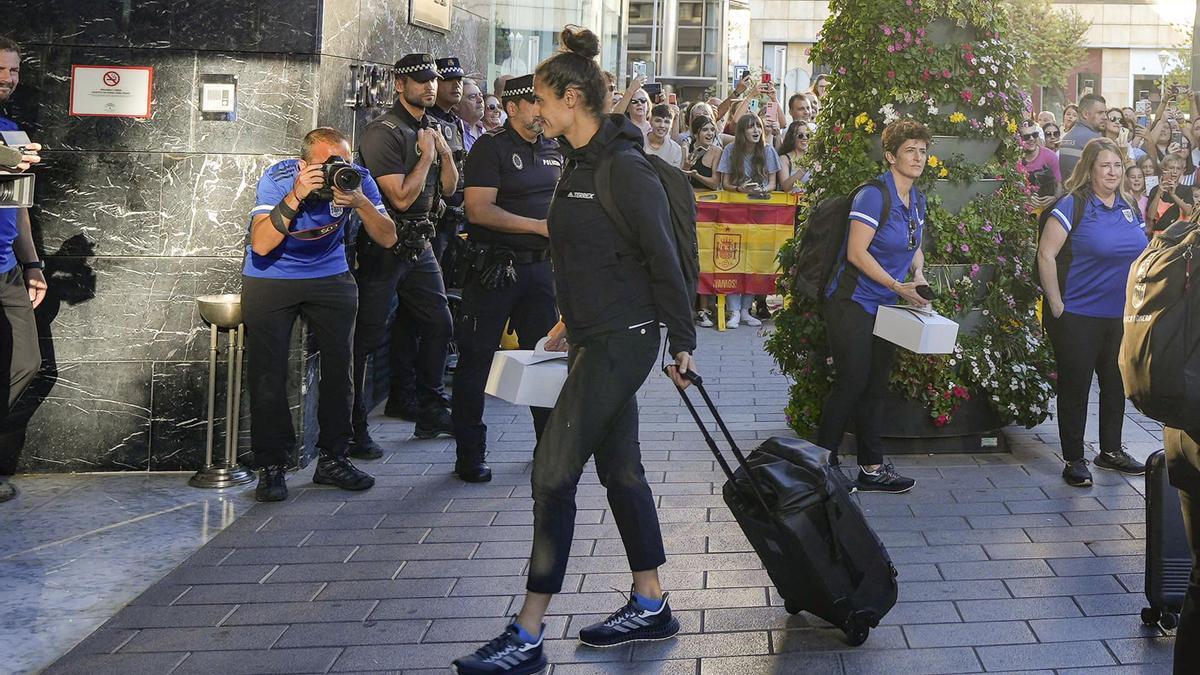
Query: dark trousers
[1082, 346]
[1183, 468]
[528, 306]
[596, 414]
[270, 307]
[382, 278]
[19, 355]
[403, 345]
[862, 364]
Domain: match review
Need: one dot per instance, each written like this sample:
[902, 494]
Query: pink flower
[967, 94]
[891, 74]
[941, 420]
[925, 75]
[965, 249]
[908, 2]
[842, 70]
[987, 227]
[945, 72]
[921, 32]
[891, 49]
[974, 270]
[887, 30]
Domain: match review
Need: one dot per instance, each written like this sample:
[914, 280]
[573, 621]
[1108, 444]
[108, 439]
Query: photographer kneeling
[296, 266]
[881, 247]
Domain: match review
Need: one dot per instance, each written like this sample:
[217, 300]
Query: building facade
[1123, 45]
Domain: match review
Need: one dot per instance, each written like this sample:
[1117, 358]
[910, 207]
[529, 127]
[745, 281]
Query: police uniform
[404, 341]
[409, 271]
[305, 275]
[510, 279]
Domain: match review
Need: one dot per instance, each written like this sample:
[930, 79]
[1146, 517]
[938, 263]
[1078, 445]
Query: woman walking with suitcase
[612, 292]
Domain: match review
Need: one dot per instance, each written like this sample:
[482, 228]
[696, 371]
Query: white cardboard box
[917, 330]
[526, 377]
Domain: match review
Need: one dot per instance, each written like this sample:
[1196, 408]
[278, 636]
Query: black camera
[339, 173]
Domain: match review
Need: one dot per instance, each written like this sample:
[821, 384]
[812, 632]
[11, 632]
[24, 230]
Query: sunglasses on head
[912, 233]
[1029, 137]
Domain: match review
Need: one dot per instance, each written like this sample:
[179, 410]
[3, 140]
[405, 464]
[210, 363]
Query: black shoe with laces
[1120, 461]
[506, 654]
[434, 422]
[632, 623]
[271, 484]
[473, 468]
[1076, 473]
[341, 472]
[885, 479]
[402, 408]
[364, 447]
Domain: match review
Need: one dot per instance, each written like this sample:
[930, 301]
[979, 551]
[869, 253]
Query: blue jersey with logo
[304, 258]
[897, 238]
[1104, 243]
[8, 219]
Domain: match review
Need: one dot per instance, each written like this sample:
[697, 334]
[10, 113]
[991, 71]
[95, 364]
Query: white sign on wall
[111, 91]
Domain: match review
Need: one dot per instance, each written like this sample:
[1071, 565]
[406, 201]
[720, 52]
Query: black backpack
[1063, 261]
[681, 200]
[820, 252]
[1160, 349]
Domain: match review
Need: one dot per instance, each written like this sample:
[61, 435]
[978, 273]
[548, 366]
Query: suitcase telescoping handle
[698, 381]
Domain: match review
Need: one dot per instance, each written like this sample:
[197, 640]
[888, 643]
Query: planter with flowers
[944, 63]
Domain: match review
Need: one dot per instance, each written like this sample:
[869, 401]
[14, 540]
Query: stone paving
[1002, 566]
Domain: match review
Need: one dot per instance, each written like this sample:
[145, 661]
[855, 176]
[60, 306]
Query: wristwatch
[35, 265]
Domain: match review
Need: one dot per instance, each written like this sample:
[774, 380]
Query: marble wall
[135, 218]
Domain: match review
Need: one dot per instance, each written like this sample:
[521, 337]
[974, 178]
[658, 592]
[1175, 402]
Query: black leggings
[1084, 345]
[596, 414]
[862, 364]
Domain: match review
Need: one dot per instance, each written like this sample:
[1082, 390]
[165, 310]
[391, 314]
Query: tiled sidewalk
[1002, 567]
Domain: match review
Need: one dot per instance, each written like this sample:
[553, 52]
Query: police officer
[404, 344]
[410, 159]
[510, 177]
[296, 266]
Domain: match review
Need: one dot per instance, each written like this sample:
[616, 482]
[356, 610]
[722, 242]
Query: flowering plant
[980, 259]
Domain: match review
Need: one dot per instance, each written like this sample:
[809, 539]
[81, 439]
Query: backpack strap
[883, 190]
[602, 178]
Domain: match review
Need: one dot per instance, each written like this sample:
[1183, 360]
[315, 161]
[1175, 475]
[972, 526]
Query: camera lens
[346, 178]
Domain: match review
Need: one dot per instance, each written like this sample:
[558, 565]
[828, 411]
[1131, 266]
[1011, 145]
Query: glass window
[524, 34]
[691, 14]
[690, 40]
[687, 65]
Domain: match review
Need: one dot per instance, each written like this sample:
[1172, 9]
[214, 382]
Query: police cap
[420, 67]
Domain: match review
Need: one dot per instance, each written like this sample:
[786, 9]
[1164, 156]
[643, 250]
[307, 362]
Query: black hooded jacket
[605, 281]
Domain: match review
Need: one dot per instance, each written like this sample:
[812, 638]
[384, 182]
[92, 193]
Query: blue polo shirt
[1103, 244]
[889, 247]
[298, 257]
[8, 219]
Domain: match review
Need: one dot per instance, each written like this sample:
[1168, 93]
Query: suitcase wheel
[856, 629]
[1169, 621]
[792, 607]
[1150, 616]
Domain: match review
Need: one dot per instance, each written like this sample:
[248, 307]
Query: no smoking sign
[112, 79]
[112, 91]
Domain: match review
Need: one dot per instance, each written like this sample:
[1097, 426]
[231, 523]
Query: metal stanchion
[223, 313]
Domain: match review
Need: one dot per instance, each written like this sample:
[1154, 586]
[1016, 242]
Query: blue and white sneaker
[632, 623]
[506, 654]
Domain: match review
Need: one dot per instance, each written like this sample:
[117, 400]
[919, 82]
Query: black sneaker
[434, 422]
[761, 310]
[271, 484]
[1120, 461]
[7, 491]
[884, 480]
[506, 654]
[364, 447]
[402, 408]
[632, 623]
[473, 468]
[1076, 473]
[341, 472]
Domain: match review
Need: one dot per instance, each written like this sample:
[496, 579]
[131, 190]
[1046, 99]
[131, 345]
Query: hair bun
[581, 41]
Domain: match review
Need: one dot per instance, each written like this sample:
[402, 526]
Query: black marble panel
[276, 104]
[207, 201]
[96, 417]
[275, 26]
[109, 23]
[112, 200]
[339, 28]
[333, 80]
[131, 309]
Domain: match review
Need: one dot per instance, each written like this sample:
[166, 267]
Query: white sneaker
[733, 321]
[750, 319]
[703, 320]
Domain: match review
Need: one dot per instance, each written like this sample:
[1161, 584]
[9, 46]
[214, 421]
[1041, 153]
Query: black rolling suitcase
[812, 538]
[1168, 556]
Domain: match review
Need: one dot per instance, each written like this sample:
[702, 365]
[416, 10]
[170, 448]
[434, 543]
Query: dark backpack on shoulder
[681, 201]
[820, 252]
[1160, 348]
[1063, 262]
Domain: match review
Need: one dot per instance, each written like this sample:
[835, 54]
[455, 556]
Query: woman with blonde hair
[1083, 263]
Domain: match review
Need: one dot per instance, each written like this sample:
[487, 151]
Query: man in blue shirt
[1089, 125]
[22, 284]
[296, 266]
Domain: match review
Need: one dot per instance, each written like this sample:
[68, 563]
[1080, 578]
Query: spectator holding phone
[638, 110]
[658, 141]
[792, 173]
[1040, 164]
[1135, 187]
[1149, 166]
[704, 153]
[1085, 301]
[1170, 200]
[1165, 137]
[1052, 136]
[820, 85]
[492, 113]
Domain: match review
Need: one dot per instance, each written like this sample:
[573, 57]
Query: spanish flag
[740, 236]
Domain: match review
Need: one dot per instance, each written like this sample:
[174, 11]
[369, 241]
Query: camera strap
[318, 232]
[281, 215]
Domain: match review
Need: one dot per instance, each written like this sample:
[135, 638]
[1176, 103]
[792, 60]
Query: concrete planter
[945, 31]
[957, 195]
